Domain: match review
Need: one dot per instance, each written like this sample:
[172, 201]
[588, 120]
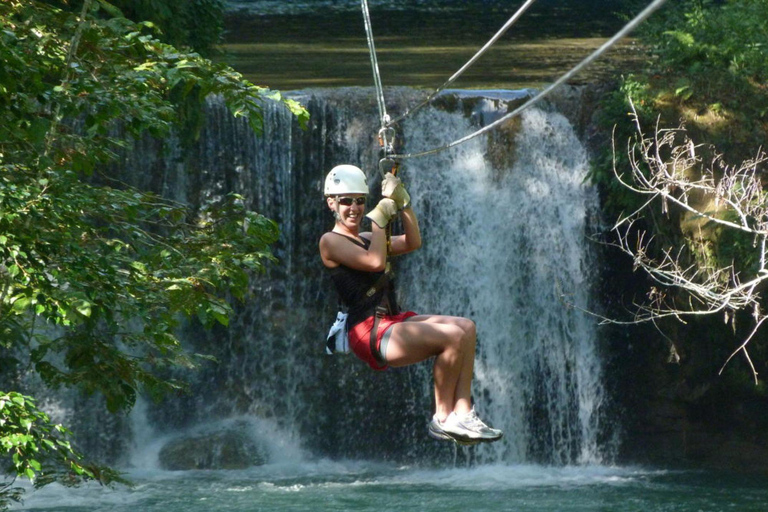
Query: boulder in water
[228, 449]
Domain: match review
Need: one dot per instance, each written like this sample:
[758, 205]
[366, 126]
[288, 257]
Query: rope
[386, 144]
[384, 118]
[597, 53]
[466, 66]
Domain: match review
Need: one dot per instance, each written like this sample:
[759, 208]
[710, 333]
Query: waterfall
[505, 224]
[503, 240]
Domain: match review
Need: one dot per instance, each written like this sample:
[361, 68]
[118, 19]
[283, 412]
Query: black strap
[380, 283]
[381, 310]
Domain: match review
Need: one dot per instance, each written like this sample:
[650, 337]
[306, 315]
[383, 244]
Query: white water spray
[502, 242]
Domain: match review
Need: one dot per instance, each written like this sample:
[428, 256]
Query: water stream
[365, 486]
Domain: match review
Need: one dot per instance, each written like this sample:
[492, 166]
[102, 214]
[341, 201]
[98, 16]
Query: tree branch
[668, 167]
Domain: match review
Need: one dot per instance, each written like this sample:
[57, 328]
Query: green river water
[361, 486]
[324, 43]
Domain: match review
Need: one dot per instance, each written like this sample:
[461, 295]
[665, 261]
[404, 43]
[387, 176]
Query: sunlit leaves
[722, 37]
[38, 449]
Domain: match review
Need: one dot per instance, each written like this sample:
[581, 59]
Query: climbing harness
[631, 25]
[337, 340]
[383, 308]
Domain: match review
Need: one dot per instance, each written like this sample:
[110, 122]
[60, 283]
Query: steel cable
[541, 95]
[469, 63]
[383, 117]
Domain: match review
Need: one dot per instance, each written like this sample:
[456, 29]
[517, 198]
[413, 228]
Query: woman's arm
[411, 239]
[336, 250]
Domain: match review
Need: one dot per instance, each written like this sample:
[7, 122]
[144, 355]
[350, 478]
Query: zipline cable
[469, 63]
[383, 117]
[597, 53]
[385, 134]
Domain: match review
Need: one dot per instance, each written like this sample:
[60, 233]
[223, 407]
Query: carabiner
[387, 140]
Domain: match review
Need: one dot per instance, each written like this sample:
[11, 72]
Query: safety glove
[393, 188]
[383, 213]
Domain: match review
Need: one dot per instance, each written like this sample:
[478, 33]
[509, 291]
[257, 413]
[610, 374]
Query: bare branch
[667, 166]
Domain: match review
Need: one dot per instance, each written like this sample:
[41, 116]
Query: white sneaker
[436, 431]
[468, 427]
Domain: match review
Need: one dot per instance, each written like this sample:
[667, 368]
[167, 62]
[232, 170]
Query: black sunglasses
[347, 201]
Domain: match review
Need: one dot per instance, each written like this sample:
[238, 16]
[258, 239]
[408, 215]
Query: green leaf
[83, 307]
[113, 267]
[20, 304]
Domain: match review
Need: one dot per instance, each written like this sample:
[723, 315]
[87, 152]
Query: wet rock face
[229, 449]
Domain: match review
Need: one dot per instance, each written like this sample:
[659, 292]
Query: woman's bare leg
[452, 340]
[463, 395]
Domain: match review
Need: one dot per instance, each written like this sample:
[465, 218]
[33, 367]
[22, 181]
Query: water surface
[364, 486]
[298, 45]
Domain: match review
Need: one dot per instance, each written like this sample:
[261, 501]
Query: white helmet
[345, 179]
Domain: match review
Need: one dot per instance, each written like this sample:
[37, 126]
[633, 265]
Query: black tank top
[352, 285]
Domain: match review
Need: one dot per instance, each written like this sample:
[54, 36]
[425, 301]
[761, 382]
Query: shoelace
[473, 420]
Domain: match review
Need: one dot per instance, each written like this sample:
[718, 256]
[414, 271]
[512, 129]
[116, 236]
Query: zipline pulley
[386, 142]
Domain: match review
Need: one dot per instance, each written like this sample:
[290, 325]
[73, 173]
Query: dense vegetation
[95, 276]
[708, 68]
[707, 72]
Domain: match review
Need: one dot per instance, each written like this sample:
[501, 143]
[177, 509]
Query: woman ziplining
[374, 328]
[378, 333]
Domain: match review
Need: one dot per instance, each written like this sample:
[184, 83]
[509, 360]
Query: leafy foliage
[39, 450]
[708, 68]
[95, 275]
[614, 113]
[196, 24]
[709, 37]
[706, 74]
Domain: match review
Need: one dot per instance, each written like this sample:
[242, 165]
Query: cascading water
[503, 241]
[504, 221]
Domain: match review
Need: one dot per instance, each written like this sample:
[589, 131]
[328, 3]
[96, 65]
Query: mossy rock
[229, 449]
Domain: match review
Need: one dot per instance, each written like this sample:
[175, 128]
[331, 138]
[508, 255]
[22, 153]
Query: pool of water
[289, 46]
[364, 486]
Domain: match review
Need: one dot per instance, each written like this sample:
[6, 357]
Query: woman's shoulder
[327, 237]
[334, 238]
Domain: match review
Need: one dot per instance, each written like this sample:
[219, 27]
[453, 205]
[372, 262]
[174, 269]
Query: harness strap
[381, 310]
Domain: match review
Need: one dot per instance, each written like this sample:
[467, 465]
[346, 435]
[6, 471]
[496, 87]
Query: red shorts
[360, 336]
